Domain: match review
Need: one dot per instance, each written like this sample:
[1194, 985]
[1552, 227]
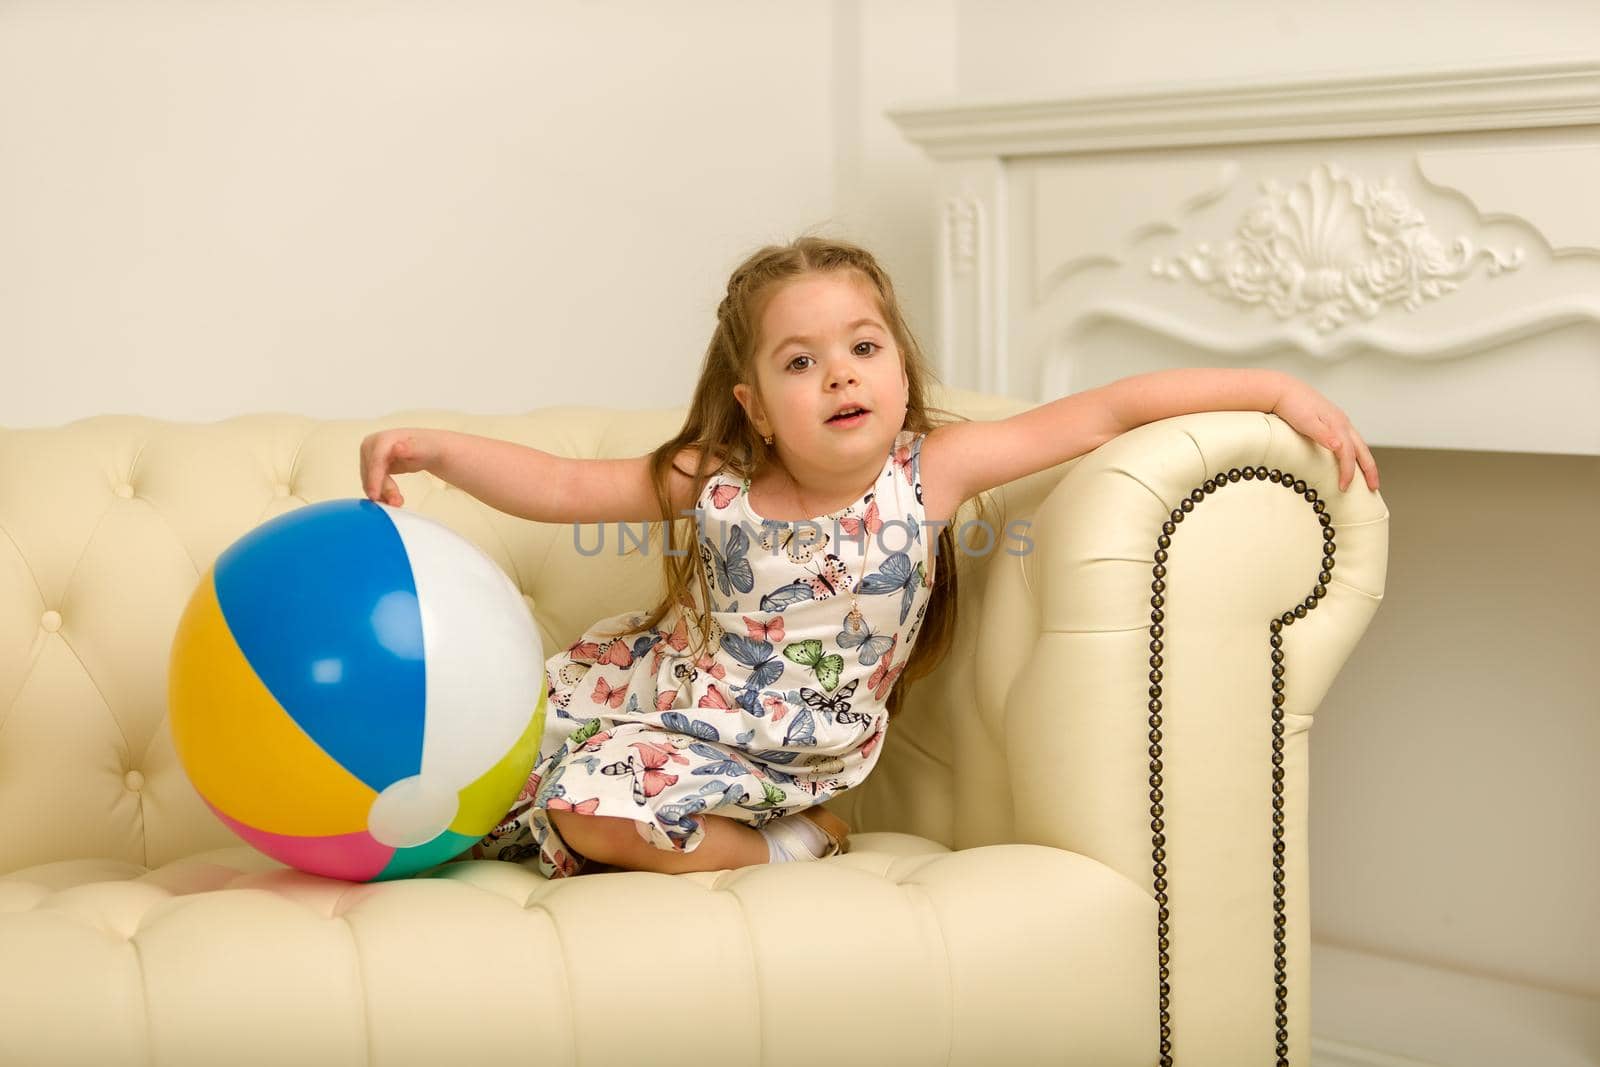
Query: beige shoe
[837, 829]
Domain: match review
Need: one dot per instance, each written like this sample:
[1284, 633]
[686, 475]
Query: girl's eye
[871, 346]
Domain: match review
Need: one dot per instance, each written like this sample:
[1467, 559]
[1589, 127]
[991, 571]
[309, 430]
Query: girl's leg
[727, 844]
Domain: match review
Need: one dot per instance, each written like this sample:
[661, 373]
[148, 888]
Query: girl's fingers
[1342, 452]
[1370, 464]
[1333, 445]
[1334, 432]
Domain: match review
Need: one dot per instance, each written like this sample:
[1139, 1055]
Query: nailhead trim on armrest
[1157, 825]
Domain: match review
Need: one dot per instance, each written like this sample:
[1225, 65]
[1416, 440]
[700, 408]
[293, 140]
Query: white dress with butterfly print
[787, 710]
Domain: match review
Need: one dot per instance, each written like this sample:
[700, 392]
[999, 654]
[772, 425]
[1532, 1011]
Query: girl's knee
[598, 837]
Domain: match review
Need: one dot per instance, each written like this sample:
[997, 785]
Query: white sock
[794, 837]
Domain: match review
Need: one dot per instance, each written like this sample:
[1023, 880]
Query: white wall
[1453, 793]
[347, 208]
[1024, 48]
[888, 52]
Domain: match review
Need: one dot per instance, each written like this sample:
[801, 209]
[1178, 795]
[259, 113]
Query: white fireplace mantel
[1424, 248]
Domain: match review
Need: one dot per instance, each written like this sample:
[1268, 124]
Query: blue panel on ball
[408, 861]
[324, 608]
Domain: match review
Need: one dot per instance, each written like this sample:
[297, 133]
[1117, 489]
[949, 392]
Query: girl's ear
[751, 403]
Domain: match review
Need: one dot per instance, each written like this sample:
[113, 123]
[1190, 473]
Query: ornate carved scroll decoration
[1332, 247]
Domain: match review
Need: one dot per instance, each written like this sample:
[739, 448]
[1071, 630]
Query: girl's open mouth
[849, 419]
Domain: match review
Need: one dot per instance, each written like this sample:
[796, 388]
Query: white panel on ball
[484, 663]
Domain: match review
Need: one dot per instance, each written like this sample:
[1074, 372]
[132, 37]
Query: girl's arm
[963, 459]
[523, 481]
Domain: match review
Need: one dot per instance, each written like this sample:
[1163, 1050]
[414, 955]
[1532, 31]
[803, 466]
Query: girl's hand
[1315, 416]
[390, 452]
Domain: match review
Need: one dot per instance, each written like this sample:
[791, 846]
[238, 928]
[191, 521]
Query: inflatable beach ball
[357, 691]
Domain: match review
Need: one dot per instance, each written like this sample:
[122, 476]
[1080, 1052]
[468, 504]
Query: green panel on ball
[409, 861]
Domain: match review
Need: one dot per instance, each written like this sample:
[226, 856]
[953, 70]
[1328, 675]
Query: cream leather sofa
[1000, 903]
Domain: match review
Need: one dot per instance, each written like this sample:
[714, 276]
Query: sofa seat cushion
[900, 951]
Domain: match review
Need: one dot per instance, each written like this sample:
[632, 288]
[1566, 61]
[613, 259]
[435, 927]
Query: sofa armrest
[1109, 715]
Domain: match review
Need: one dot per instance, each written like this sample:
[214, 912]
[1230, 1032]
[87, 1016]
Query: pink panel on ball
[353, 857]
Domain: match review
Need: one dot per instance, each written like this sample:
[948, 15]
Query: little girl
[704, 734]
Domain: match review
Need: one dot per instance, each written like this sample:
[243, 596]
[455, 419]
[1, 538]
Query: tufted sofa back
[107, 524]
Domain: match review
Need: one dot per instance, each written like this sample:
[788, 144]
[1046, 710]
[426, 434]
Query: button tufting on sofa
[280, 490]
[134, 781]
[125, 491]
[50, 621]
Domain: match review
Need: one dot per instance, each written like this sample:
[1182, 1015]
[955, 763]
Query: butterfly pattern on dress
[825, 665]
[859, 635]
[897, 575]
[798, 542]
[677, 641]
[836, 707]
[885, 676]
[781, 707]
[645, 766]
[604, 694]
[871, 521]
[765, 666]
[764, 631]
[831, 578]
[729, 568]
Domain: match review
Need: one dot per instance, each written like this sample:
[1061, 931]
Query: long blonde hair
[717, 428]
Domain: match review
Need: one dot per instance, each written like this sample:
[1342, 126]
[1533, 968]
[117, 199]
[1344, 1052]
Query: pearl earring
[767, 438]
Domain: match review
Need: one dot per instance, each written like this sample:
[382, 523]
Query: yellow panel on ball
[244, 754]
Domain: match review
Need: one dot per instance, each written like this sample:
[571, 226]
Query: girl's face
[823, 345]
